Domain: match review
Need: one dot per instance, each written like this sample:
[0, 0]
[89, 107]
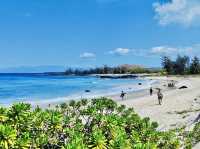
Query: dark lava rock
[183, 87]
[87, 91]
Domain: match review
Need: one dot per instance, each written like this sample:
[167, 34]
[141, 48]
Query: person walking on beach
[122, 95]
[160, 96]
[151, 91]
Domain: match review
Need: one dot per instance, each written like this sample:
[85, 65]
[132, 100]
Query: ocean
[41, 87]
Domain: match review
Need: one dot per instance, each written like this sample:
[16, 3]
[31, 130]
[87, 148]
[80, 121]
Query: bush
[95, 124]
[139, 69]
[192, 137]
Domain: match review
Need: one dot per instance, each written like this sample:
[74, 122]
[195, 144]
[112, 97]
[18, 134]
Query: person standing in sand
[151, 91]
[122, 95]
[160, 96]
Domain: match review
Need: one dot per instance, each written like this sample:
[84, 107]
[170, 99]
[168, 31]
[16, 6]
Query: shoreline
[115, 90]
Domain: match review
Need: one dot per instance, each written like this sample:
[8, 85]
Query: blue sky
[84, 33]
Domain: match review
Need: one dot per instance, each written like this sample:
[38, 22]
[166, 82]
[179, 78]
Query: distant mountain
[33, 69]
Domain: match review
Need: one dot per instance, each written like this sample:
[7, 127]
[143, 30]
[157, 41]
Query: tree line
[123, 69]
[181, 65]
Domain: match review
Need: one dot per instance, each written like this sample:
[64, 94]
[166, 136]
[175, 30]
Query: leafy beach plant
[86, 124]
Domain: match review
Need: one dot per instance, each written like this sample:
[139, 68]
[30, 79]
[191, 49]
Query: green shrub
[95, 124]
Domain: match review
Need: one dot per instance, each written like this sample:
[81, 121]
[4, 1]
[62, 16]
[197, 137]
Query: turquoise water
[34, 87]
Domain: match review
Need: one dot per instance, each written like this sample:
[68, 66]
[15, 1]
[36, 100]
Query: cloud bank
[183, 12]
[193, 50]
[174, 51]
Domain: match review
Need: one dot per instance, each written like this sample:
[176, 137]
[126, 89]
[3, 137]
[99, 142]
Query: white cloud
[163, 50]
[120, 51]
[174, 51]
[87, 55]
[184, 12]
[192, 50]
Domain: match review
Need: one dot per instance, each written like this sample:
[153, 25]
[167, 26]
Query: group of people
[171, 84]
[159, 94]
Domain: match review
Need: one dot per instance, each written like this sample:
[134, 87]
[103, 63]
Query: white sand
[174, 100]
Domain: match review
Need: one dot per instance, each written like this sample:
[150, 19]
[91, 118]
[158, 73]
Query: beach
[180, 106]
